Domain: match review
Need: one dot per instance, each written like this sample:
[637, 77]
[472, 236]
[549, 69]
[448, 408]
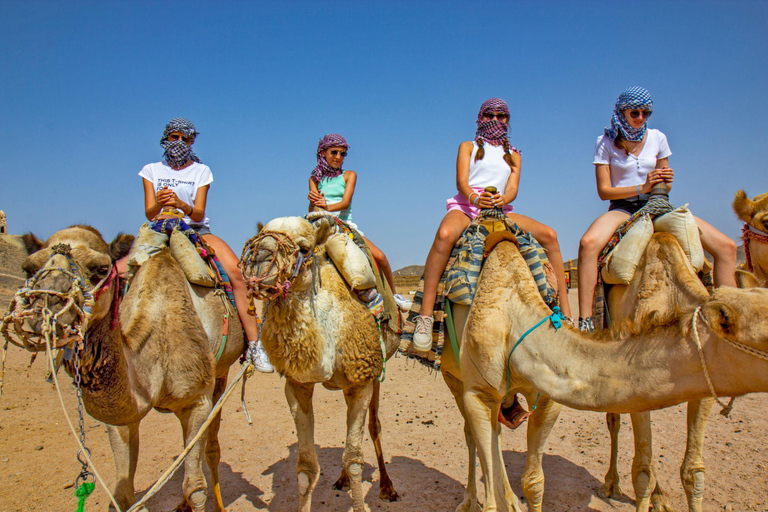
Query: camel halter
[749, 233]
[726, 409]
[282, 275]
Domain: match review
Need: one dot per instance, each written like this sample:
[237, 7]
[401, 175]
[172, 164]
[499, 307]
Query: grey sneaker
[258, 356]
[587, 324]
[422, 334]
[402, 303]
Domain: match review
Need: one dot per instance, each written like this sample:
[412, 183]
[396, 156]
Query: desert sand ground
[423, 443]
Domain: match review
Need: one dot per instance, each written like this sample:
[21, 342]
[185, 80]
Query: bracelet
[638, 190]
[470, 197]
[477, 199]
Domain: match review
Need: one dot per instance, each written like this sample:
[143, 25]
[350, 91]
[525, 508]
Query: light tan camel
[754, 214]
[316, 331]
[161, 355]
[640, 365]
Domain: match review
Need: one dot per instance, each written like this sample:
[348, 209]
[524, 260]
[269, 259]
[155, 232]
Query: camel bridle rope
[761, 354]
[748, 234]
[277, 268]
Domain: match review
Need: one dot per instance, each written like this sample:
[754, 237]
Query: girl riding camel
[331, 188]
[180, 183]
[630, 159]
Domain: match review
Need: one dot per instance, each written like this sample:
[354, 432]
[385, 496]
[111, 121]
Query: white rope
[171, 470]
[726, 409]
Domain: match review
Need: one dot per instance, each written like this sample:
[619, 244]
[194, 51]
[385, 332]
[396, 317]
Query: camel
[754, 214]
[317, 331]
[161, 354]
[649, 361]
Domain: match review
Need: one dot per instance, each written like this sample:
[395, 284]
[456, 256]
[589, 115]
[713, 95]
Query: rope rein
[749, 233]
[725, 409]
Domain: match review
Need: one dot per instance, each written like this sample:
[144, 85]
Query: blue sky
[87, 87]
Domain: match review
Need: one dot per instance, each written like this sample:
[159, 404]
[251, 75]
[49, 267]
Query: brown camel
[317, 331]
[754, 214]
[647, 362]
[161, 354]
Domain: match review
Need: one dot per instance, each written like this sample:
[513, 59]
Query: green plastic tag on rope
[83, 492]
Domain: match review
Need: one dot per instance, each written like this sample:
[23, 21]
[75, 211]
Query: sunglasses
[176, 136]
[634, 114]
[499, 116]
[336, 152]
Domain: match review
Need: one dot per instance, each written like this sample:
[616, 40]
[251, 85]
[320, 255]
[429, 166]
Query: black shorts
[629, 205]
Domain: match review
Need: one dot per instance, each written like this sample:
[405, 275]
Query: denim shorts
[629, 205]
[201, 229]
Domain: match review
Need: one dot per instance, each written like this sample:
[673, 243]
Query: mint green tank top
[333, 190]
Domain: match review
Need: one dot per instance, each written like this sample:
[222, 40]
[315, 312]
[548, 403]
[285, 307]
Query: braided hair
[494, 131]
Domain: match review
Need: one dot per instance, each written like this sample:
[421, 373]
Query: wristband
[638, 190]
[474, 203]
[470, 197]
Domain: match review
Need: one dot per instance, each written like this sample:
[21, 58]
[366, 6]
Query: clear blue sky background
[87, 87]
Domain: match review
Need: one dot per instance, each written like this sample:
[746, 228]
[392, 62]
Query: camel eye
[99, 271]
[30, 269]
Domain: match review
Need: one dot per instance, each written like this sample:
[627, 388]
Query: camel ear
[722, 319]
[746, 279]
[120, 246]
[32, 243]
[743, 206]
[259, 227]
[322, 232]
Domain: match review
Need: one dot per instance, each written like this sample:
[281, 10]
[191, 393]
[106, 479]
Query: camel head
[738, 316]
[275, 260]
[752, 211]
[67, 277]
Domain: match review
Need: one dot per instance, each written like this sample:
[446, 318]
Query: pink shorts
[459, 202]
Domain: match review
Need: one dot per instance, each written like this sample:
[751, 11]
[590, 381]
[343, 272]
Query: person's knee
[548, 237]
[445, 237]
[727, 249]
[588, 245]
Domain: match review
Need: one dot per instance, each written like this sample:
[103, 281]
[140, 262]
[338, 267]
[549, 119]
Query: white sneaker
[403, 303]
[422, 334]
[258, 356]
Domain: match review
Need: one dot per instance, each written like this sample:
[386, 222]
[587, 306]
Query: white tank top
[491, 170]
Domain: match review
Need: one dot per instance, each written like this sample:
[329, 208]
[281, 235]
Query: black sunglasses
[499, 116]
[176, 136]
[634, 114]
[335, 152]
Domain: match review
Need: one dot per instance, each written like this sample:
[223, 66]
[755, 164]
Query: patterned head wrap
[177, 152]
[494, 131]
[633, 98]
[323, 170]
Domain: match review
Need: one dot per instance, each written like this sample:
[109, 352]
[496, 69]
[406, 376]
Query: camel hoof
[182, 507]
[610, 490]
[389, 494]
[659, 504]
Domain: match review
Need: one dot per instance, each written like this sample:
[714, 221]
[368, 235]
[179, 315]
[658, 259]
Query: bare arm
[606, 192]
[154, 203]
[510, 193]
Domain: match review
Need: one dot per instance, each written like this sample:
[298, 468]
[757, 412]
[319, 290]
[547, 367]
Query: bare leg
[358, 399]
[229, 261]
[383, 263]
[611, 488]
[448, 233]
[540, 425]
[547, 237]
[592, 242]
[299, 398]
[125, 449]
[723, 251]
[692, 470]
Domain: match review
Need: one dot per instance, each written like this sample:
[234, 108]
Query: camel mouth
[269, 264]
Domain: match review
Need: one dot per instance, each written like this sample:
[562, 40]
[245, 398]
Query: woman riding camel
[489, 160]
[181, 183]
[331, 188]
[630, 159]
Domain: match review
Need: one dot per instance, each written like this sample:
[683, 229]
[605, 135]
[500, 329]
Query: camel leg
[540, 425]
[643, 475]
[611, 488]
[692, 470]
[469, 504]
[125, 449]
[358, 399]
[212, 448]
[194, 487]
[299, 398]
[483, 411]
[387, 491]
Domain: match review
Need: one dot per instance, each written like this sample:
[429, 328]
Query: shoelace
[421, 326]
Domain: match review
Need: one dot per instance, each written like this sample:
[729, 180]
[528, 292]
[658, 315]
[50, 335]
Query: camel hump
[493, 239]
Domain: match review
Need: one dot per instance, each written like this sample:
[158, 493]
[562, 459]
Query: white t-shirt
[628, 170]
[491, 170]
[183, 182]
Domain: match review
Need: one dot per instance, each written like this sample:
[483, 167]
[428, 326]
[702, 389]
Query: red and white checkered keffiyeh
[323, 170]
[494, 131]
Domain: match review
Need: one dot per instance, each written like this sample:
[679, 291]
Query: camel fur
[161, 355]
[320, 332]
[646, 362]
[754, 212]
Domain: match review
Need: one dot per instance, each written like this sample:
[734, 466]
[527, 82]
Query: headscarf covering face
[493, 131]
[177, 152]
[631, 99]
[323, 169]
